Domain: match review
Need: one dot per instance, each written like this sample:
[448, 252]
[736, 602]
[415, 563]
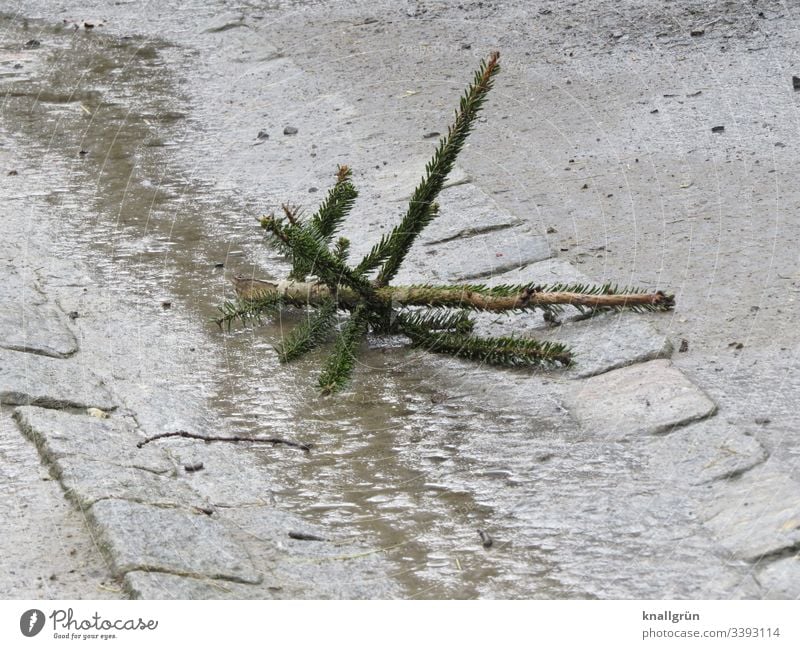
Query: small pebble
[717, 129]
[486, 539]
[290, 130]
[191, 468]
[431, 135]
[684, 345]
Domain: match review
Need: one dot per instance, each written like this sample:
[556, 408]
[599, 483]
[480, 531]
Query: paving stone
[756, 515]
[609, 341]
[642, 399]
[319, 569]
[781, 579]
[31, 379]
[397, 183]
[86, 482]
[143, 537]
[233, 475]
[476, 257]
[39, 329]
[465, 210]
[163, 585]
[704, 452]
[28, 322]
[60, 434]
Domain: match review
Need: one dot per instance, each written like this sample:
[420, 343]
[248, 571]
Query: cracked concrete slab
[144, 537]
[756, 515]
[704, 452]
[642, 399]
[60, 434]
[31, 379]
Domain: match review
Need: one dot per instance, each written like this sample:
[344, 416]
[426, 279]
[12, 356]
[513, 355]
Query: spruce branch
[248, 310]
[339, 366]
[297, 241]
[496, 299]
[326, 221]
[335, 207]
[503, 350]
[308, 334]
[435, 317]
[394, 248]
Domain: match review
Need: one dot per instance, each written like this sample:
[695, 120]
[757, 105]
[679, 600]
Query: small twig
[217, 438]
[304, 536]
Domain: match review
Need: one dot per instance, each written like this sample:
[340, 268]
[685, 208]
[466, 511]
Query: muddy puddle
[419, 456]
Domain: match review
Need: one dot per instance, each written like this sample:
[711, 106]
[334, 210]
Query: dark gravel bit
[697, 32]
[431, 135]
[290, 130]
[795, 82]
[684, 345]
[486, 539]
[73, 315]
[717, 129]
[83, 152]
[32, 44]
[312, 190]
[191, 468]
[166, 305]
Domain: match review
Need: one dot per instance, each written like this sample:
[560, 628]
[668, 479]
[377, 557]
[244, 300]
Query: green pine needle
[247, 311]
[392, 250]
[506, 351]
[326, 221]
[309, 334]
[339, 366]
[299, 242]
[335, 207]
[436, 320]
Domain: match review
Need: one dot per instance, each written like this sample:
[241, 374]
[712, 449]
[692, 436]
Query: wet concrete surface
[139, 171]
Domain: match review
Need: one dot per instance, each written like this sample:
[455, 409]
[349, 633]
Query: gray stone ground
[644, 472]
